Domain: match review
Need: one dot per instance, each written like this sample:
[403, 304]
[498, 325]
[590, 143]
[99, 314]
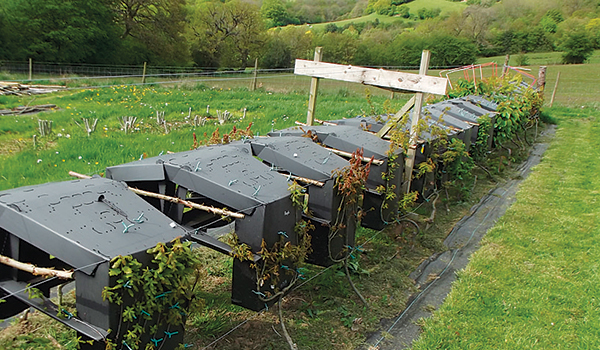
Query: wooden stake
[254, 78]
[37, 271]
[412, 149]
[555, 88]
[144, 74]
[30, 69]
[314, 86]
[189, 204]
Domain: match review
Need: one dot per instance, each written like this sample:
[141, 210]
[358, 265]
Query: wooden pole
[173, 199]
[314, 86]
[505, 67]
[412, 149]
[30, 69]
[304, 180]
[396, 118]
[555, 88]
[255, 76]
[541, 82]
[37, 271]
[144, 74]
[349, 155]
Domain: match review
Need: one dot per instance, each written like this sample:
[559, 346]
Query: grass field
[69, 148]
[414, 6]
[534, 282]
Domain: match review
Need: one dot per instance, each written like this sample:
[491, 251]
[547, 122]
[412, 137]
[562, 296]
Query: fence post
[30, 69]
[314, 86]
[541, 83]
[412, 148]
[144, 74]
[554, 91]
[505, 67]
[254, 78]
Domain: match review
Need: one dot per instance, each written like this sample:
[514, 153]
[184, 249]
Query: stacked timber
[12, 88]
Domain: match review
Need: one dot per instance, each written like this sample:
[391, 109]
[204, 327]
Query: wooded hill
[231, 34]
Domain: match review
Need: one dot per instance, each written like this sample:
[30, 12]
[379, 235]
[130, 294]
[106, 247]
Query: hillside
[445, 6]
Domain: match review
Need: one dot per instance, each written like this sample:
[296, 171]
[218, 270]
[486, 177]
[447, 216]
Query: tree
[276, 14]
[158, 25]
[60, 30]
[577, 48]
[277, 54]
[230, 32]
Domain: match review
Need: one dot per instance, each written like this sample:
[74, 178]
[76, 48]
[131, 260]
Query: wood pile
[27, 109]
[12, 88]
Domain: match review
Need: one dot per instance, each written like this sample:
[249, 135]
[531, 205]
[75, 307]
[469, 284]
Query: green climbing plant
[154, 299]
[281, 258]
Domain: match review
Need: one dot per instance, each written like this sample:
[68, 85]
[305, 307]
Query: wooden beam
[314, 87]
[396, 118]
[412, 149]
[397, 81]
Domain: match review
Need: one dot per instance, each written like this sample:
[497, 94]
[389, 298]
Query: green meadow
[532, 284]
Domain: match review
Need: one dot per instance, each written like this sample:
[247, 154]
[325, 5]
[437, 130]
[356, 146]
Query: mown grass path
[535, 281]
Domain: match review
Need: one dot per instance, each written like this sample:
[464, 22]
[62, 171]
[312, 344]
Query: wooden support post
[255, 76]
[541, 82]
[505, 67]
[30, 69]
[144, 74]
[554, 91]
[314, 86]
[412, 150]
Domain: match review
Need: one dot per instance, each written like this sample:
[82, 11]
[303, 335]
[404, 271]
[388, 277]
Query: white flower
[59, 135]
[68, 136]
[80, 157]
[56, 152]
[39, 161]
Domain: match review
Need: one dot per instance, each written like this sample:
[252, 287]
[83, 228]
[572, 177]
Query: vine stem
[289, 339]
[352, 284]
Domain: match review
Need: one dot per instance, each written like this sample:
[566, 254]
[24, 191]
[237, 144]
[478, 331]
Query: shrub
[577, 48]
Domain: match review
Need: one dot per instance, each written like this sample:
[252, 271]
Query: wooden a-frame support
[390, 80]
